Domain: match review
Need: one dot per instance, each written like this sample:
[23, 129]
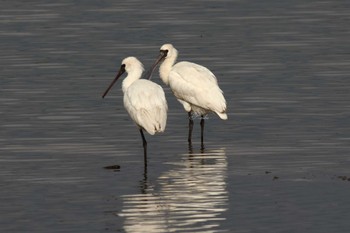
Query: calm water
[279, 164]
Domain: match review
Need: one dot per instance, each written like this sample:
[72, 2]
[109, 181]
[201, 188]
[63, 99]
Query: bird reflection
[191, 197]
[190, 148]
[144, 182]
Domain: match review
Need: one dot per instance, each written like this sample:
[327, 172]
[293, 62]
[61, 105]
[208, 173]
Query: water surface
[279, 164]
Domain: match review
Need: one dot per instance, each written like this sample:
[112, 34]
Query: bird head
[128, 65]
[166, 51]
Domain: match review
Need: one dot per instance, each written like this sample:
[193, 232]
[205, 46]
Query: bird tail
[153, 122]
[222, 115]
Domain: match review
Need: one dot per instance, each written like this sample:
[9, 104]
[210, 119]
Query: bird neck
[165, 67]
[132, 77]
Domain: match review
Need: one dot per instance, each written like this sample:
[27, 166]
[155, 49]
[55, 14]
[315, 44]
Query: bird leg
[202, 129]
[190, 127]
[144, 143]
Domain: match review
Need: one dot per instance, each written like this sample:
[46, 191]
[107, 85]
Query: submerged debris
[344, 178]
[113, 167]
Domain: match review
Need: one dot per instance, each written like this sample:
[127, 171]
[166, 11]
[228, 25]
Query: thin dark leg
[144, 142]
[190, 127]
[202, 129]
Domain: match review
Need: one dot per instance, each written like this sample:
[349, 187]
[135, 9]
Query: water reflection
[191, 197]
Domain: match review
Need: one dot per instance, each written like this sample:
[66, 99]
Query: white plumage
[197, 87]
[144, 100]
[194, 86]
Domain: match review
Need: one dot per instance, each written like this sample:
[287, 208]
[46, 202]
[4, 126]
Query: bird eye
[122, 67]
[164, 52]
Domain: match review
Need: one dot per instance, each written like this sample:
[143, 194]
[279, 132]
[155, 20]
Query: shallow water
[279, 164]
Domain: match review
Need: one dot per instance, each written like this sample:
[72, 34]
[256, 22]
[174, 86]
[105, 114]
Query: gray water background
[280, 163]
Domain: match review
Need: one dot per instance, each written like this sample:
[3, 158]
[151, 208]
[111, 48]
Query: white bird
[144, 100]
[195, 87]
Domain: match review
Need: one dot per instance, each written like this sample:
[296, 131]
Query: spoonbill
[144, 100]
[194, 86]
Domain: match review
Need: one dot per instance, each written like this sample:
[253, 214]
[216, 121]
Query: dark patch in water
[344, 178]
[113, 167]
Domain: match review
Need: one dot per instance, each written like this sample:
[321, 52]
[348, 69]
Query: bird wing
[196, 85]
[146, 104]
[194, 73]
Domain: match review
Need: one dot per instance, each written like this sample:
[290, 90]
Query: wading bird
[195, 87]
[144, 100]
